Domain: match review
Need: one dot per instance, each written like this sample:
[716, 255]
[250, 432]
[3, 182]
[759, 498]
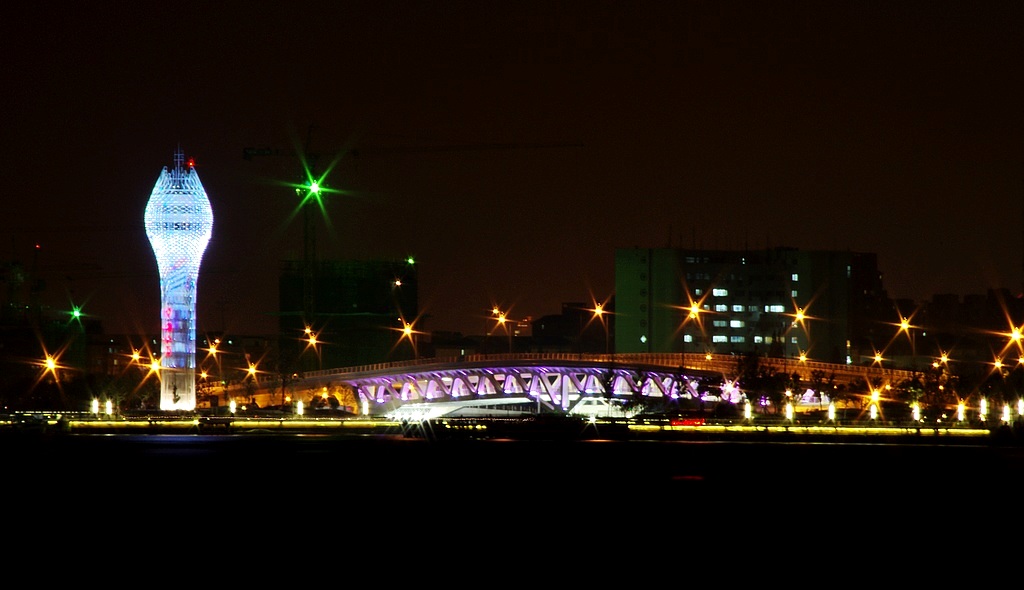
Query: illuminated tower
[179, 222]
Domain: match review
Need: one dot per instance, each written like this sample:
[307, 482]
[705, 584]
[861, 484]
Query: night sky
[512, 147]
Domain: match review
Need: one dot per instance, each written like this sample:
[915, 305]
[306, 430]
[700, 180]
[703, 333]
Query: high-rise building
[179, 223]
[358, 315]
[779, 302]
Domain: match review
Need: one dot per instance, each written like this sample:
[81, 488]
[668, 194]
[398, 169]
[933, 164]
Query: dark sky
[886, 127]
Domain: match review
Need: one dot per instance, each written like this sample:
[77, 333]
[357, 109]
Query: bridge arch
[556, 381]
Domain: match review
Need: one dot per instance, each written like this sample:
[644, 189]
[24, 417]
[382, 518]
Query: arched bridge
[558, 381]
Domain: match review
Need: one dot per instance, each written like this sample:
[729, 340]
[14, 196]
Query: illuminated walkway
[556, 381]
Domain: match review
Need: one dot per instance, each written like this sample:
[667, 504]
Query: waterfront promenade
[537, 428]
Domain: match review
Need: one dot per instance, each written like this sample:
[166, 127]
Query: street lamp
[501, 318]
[599, 315]
[692, 315]
[409, 333]
[214, 350]
[1016, 336]
[799, 321]
[311, 342]
[503, 321]
[909, 329]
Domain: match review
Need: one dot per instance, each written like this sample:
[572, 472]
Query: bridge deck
[556, 381]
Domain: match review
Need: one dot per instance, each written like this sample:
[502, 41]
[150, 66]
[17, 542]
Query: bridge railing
[725, 364]
[659, 359]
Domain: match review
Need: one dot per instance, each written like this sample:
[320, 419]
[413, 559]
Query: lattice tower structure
[179, 224]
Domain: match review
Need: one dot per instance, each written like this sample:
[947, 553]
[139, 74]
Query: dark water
[257, 469]
[245, 507]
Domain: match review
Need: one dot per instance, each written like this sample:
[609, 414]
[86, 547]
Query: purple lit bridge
[588, 384]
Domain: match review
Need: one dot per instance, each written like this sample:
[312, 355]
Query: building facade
[778, 302]
[357, 315]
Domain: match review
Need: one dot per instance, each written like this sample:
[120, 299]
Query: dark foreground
[259, 503]
[214, 471]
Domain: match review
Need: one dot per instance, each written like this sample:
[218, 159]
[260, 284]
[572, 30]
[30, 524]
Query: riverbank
[537, 428]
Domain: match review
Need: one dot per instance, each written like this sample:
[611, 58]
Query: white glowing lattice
[179, 223]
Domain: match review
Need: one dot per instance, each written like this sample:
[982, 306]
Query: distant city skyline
[485, 323]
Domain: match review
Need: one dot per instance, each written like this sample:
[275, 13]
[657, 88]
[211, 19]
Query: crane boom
[251, 152]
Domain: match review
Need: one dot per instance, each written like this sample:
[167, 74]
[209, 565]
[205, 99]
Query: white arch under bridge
[515, 383]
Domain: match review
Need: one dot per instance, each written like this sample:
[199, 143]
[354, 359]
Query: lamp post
[215, 350]
[693, 315]
[311, 342]
[909, 329]
[203, 385]
[503, 320]
[599, 314]
[488, 330]
[799, 317]
[408, 332]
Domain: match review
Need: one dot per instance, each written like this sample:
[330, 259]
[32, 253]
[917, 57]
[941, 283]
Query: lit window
[738, 308]
[737, 339]
[720, 292]
[687, 338]
[758, 339]
[718, 338]
[793, 293]
[721, 307]
[774, 308]
[719, 323]
[698, 292]
[737, 323]
[795, 277]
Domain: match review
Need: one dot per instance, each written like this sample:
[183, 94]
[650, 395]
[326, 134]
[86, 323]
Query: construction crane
[311, 187]
[249, 153]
